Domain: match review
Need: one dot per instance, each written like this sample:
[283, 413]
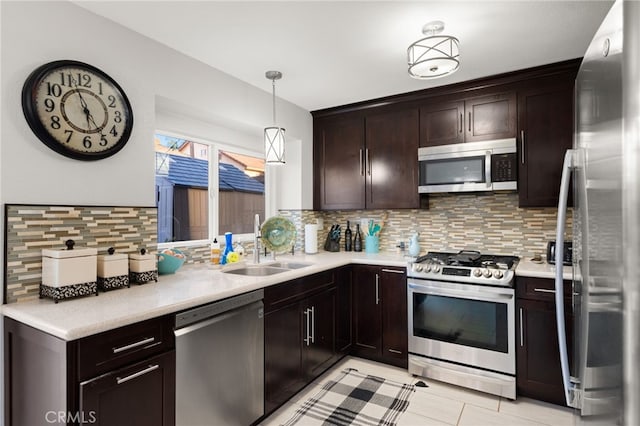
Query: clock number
[54, 89]
[68, 81]
[100, 87]
[118, 116]
[103, 140]
[49, 105]
[55, 122]
[113, 131]
[84, 80]
[86, 142]
[69, 134]
[112, 101]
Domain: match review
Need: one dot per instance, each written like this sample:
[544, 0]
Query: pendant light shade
[274, 135]
[434, 56]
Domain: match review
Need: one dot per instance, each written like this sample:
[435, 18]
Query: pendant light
[274, 135]
[434, 56]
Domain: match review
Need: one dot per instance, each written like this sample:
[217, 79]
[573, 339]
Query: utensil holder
[371, 244]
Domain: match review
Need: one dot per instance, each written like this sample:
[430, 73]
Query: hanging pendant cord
[273, 82]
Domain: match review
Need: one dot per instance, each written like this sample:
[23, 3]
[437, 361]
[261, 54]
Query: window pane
[241, 192]
[182, 187]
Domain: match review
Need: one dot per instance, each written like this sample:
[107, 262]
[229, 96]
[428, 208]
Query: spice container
[68, 272]
[113, 270]
[142, 267]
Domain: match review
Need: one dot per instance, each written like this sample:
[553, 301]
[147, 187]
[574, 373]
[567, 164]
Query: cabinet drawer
[539, 288]
[295, 290]
[113, 349]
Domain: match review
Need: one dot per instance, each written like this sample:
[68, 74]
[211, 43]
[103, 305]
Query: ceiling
[335, 53]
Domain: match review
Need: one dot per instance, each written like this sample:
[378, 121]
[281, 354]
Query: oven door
[466, 324]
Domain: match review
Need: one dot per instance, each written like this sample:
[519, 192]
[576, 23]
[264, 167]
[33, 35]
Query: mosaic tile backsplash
[31, 228]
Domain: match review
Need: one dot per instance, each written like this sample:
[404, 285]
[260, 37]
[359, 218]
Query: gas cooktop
[465, 266]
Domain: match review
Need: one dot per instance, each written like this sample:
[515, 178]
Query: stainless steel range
[462, 320]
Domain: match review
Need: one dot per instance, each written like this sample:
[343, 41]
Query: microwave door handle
[487, 169]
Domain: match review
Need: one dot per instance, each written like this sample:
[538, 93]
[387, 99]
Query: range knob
[477, 272]
[497, 274]
[486, 273]
[427, 268]
[435, 269]
[417, 267]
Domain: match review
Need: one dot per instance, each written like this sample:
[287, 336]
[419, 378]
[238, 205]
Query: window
[204, 189]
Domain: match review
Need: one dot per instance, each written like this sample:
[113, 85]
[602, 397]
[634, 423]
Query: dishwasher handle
[259, 306]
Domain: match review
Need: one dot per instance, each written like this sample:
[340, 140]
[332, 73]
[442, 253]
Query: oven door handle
[485, 295]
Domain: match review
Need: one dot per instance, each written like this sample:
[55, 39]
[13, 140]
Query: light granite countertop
[191, 286]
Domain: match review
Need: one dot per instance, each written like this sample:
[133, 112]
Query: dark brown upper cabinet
[471, 120]
[546, 132]
[367, 162]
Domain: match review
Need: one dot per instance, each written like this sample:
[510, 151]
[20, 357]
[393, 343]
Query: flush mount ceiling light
[434, 56]
[274, 135]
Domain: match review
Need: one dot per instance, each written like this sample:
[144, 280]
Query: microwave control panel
[504, 167]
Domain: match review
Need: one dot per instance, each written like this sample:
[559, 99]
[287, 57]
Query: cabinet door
[344, 336]
[442, 124]
[283, 356]
[339, 164]
[538, 368]
[490, 117]
[141, 394]
[367, 319]
[393, 287]
[391, 158]
[319, 352]
[546, 132]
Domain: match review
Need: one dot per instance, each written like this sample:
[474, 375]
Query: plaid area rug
[357, 399]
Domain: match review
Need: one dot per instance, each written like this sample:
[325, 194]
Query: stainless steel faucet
[256, 239]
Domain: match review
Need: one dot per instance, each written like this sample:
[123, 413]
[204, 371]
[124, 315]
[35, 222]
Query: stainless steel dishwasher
[220, 362]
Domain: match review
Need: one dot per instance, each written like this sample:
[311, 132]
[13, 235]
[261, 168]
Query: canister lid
[69, 252]
[143, 254]
[112, 256]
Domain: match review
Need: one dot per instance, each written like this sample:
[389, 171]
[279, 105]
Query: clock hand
[83, 104]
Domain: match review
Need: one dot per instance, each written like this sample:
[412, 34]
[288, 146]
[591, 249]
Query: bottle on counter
[357, 241]
[348, 238]
[215, 252]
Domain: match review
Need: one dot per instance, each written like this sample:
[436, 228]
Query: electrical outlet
[364, 224]
[320, 223]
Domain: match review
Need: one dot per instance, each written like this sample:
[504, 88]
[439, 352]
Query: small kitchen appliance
[69, 272]
[461, 312]
[113, 270]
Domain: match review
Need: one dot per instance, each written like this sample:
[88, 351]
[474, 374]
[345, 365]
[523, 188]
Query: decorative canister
[68, 272]
[142, 267]
[113, 270]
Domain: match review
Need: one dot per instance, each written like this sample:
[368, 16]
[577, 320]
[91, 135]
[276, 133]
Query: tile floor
[441, 404]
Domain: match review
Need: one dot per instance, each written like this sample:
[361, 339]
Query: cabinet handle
[377, 289]
[121, 380]
[395, 271]
[134, 345]
[460, 125]
[313, 324]
[521, 330]
[522, 146]
[544, 290]
[361, 164]
[307, 314]
[469, 121]
[393, 351]
[367, 161]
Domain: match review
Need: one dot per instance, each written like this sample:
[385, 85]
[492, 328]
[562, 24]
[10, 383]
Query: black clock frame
[29, 91]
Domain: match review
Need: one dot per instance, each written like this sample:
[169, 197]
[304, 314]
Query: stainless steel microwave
[474, 166]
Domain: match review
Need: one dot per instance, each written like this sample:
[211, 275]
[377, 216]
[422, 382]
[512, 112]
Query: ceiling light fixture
[434, 56]
[274, 135]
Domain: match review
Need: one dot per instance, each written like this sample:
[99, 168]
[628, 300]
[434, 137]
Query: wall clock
[77, 110]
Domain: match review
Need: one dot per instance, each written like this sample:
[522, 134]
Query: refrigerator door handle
[569, 387]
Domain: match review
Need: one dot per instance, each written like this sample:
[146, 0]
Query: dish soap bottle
[215, 252]
[348, 238]
[357, 242]
[228, 247]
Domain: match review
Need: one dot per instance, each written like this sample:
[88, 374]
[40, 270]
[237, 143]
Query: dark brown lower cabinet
[300, 335]
[344, 309]
[380, 314]
[124, 376]
[538, 371]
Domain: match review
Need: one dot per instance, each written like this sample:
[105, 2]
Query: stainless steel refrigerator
[603, 381]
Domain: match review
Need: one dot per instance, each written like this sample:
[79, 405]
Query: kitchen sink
[257, 271]
[290, 265]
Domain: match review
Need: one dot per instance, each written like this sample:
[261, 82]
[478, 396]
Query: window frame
[214, 148]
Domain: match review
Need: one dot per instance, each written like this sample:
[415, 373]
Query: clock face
[77, 110]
